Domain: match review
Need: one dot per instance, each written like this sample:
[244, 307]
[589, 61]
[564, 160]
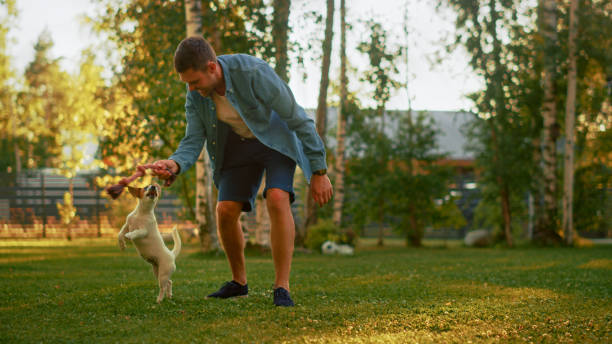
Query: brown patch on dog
[136, 192]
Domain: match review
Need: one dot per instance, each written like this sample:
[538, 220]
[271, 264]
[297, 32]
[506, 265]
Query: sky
[431, 86]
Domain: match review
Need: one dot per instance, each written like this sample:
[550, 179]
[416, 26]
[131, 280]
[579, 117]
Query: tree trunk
[570, 118]
[205, 202]
[280, 36]
[381, 227]
[546, 232]
[380, 110]
[500, 117]
[321, 116]
[506, 214]
[43, 194]
[280, 30]
[327, 48]
[341, 132]
[69, 224]
[17, 157]
[504, 194]
[414, 237]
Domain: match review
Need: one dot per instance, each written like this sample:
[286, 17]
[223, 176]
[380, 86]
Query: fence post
[97, 208]
[44, 204]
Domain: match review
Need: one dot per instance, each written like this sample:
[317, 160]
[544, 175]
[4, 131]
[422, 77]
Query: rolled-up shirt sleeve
[191, 145]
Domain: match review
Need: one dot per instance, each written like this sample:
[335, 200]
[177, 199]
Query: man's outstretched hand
[164, 169]
[320, 189]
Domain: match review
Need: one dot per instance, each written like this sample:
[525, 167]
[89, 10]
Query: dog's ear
[136, 192]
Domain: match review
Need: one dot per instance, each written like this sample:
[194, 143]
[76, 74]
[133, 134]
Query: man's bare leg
[232, 238]
[282, 234]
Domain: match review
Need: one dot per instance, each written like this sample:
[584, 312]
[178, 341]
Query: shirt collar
[226, 75]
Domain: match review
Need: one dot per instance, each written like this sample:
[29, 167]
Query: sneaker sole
[231, 297]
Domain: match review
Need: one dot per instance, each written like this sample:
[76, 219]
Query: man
[251, 123]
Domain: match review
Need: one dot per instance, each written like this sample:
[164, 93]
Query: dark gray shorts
[244, 163]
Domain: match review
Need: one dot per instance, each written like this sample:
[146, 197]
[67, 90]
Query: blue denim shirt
[268, 108]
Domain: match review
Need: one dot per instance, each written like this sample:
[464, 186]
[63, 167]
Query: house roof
[451, 124]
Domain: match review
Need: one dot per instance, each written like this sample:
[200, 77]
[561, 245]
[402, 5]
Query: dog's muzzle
[151, 191]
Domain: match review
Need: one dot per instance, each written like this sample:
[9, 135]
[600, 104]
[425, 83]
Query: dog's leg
[156, 271]
[121, 236]
[169, 289]
[160, 297]
[136, 234]
[165, 285]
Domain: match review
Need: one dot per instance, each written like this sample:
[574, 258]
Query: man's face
[202, 81]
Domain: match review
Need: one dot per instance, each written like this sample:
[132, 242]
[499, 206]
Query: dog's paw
[121, 241]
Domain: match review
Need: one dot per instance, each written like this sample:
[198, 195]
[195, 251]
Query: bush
[321, 232]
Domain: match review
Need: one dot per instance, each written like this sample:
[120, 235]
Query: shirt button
[212, 157]
[214, 125]
[213, 142]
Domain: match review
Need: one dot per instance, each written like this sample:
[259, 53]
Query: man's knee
[277, 199]
[228, 211]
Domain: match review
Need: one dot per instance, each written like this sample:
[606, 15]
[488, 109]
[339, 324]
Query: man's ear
[211, 66]
[136, 192]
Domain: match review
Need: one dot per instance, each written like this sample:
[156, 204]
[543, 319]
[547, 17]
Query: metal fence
[28, 205]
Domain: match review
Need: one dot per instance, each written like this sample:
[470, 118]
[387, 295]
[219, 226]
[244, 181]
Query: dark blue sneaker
[231, 289]
[282, 297]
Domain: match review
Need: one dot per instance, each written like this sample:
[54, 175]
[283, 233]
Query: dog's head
[149, 194]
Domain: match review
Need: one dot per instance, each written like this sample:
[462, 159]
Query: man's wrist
[321, 172]
[178, 167]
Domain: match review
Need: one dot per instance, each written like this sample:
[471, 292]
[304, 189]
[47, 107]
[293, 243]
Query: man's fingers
[322, 198]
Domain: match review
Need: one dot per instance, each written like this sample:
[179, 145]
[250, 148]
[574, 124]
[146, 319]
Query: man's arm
[191, 145]
[274, 92]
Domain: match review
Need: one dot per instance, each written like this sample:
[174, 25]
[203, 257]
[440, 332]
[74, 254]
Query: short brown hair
[193, 52]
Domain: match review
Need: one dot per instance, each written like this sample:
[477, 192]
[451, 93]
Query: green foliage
[67, 210]
[448, 215]
[383, 73]
[592, 198]
[395, 177]
[488, 215]
[147, 97]
[52, 114]
[421, 180]
[507, 49]
[7, 91]
[319, 233]
[369, 145]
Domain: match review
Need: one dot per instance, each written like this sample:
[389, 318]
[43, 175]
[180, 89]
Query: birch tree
[321, 114]
[205, 200]
[341, 127]
[546, 227]
[280, 34]
[570, 118]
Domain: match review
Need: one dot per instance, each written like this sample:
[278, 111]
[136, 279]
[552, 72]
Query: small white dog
[141, 227]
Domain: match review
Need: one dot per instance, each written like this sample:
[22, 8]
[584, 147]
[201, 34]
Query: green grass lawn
[98, 294]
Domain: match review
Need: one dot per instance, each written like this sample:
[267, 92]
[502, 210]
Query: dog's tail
[177, 242]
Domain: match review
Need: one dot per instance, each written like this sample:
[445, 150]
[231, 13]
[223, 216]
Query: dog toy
[115, 190]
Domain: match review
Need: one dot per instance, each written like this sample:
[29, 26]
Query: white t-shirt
[228, 114]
